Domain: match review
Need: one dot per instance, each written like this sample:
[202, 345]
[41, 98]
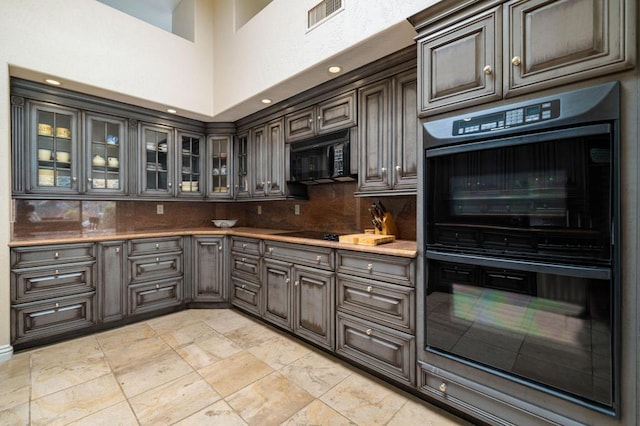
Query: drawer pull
[370, 267]
[287, 280]
[57, 305]
[220, 247]
[157, 259]
[244, 260]
[369, 289]
[157, 245]
[56, 255]
[117, 249]
[270, 250]
[56, 272]
[296, 283]
[319, 258]
[516, 61]
[243, 286]
[369, 331]
[487, 69]
[443, 387]
[157, 286]
[244, 245]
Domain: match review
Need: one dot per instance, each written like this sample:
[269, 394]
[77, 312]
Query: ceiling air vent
[322, 11]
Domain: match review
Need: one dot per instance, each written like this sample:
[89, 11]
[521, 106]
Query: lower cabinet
[152, 296]
[112, 294]
[313, 305]
[246, 283]
[208, 269]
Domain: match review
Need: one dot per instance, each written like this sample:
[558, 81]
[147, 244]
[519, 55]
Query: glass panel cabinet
[157, 159]
[106, 164]
[242, 166]
[220, 167]
[190, 165]
[55, 149]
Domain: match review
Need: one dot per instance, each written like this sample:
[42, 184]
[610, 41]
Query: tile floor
[195, 367]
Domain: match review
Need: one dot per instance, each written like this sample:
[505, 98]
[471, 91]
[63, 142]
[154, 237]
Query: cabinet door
[152, 296]
[275, 158]
[374, 136]
[459, 63]
[300, 124]
[242, 161]
[553, 43]
[157, 161]
[220, 167]
[260, 161]
[407, 132]
[55, 140]
[337, 113]
[208, 269]
[277, 292]
[112, 289]
[105, 161]
[313, 305]
[191, 161]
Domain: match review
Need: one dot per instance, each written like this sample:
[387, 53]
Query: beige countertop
[402, 248]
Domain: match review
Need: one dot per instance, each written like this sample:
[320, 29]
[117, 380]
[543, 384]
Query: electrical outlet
[259, 209]
[160, 209]
[296, 209]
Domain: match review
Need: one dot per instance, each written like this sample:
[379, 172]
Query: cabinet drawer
[154, 245]
[54, 317]
[382, 349]
[37, 284]
[154, 267]
[23, 257]
[316, 257]
[245, 266]
[388, 304]
[394, 269]
[245, 245]
[155, 295]
[246, 295]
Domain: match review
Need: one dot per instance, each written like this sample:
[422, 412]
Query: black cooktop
[314, 235]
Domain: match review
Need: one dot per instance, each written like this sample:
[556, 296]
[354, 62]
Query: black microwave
[324, 159]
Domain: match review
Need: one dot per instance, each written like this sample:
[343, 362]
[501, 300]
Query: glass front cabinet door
[54, 148]
[105, 162]
[191, 150]
[242, 187]
[220, 166]
[157, 161]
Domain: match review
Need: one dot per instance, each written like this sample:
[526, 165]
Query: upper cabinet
[220, 167]
[242, 187]
[106, 161]
[156, 161]
[486, 52]
[333, 114]
[190, 169]
[268, 157]
[388, 136]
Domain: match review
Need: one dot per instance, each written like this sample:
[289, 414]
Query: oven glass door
[520, 259]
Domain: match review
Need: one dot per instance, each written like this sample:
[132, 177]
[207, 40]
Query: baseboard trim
[6, 353]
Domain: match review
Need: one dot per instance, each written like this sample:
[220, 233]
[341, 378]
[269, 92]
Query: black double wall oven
[521, 215]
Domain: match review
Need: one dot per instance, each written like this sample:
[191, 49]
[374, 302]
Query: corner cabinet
[389, 133]
[519, 46]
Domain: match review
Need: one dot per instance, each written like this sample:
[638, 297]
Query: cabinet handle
[443, 387]
[296, 283]
[370, 267]
[516, 61]
[244, 259]
[487, 69]
[157, 245]
[157, 286]
[56, 255]
[220, 248]
[74, 178]
[384, 172]
[318, 258]
[287, 280]
[243, 286]
[56, 272]
[57, 305]
[369, 331]
[157, 259]
[270, 250]
[369, 289]
[117, 249]
[244, 246]
[169, 184]
[89, 180]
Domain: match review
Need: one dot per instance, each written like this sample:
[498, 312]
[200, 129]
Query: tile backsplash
[330, 208]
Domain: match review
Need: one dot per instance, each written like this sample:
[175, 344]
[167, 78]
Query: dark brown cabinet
[487, 52]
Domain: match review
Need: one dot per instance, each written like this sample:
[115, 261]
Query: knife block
[388, 226]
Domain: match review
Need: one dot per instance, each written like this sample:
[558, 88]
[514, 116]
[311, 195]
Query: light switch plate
[160, 209]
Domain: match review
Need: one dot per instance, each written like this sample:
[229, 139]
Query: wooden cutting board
[367, 239]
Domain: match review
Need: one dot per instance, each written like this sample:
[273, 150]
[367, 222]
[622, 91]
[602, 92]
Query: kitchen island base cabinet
[384, 350]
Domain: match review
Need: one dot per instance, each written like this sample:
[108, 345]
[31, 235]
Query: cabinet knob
[220, 247]
[89, 180]
[243, 286]
[57, 305]
[287, 280]
[370, 267]
[369, 289]
[516, 61]
[56, 255]
[244, 259]
[56, 272]
[157, 259]
[443, 387]
[487, 69]
[157, 245]
[369, 331]
[270, 250]
[169, 184]
[74, 178]
[318, 258]
[244, 245]
[157, 286]
[117, 249]
[296, 283]
[398, 168]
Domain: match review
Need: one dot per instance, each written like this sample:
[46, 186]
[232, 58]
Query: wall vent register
[322, 11]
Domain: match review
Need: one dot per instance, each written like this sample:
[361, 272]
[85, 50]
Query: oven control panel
[521, 116]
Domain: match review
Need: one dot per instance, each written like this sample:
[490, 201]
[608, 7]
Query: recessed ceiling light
[171, 111]
[335, 69]
[52, 82]
[266, 101]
